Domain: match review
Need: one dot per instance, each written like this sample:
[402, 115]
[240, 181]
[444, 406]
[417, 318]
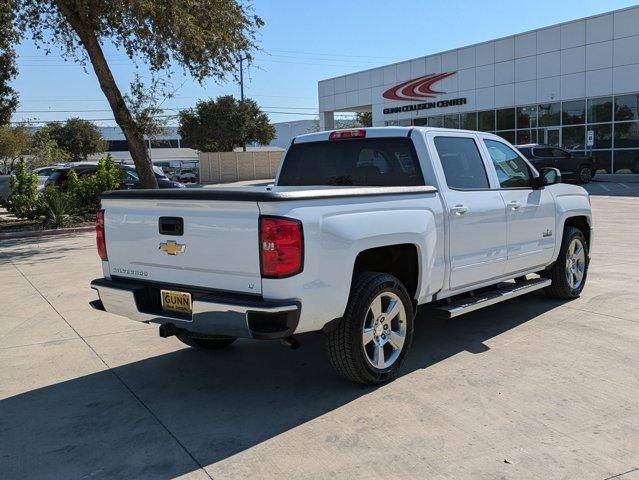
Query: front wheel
[208, 343]
[370, 342]
[568, 273]
[585, 175]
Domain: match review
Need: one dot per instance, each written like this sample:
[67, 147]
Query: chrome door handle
[459, 209]
[514, 205]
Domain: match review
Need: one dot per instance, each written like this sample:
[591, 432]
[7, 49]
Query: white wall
[589, 57]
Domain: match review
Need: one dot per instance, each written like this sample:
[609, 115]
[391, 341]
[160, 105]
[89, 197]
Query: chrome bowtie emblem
[172, 247]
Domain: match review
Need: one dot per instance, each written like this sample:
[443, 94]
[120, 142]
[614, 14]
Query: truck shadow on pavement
[138, 419]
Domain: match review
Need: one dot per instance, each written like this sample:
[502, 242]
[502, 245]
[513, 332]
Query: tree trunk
[123, 117]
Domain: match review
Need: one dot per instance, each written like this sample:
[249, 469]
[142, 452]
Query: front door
[476, 214]
[530, 213]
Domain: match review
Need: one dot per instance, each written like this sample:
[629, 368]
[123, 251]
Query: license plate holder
[177, 302]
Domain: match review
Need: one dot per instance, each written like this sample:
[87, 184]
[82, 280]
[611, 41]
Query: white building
[550, 85]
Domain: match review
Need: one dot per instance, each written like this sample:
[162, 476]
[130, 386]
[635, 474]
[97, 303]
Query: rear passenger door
[477, 247]
[530, 213]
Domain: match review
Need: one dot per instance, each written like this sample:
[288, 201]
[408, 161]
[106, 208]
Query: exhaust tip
[290, 342]
[167, 330]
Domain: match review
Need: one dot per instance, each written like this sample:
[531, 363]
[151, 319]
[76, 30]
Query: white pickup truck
[360, 227]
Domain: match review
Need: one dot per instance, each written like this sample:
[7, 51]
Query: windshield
[388, 161]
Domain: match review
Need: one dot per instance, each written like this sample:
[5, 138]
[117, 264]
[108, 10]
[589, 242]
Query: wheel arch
[580, 222]
[400, 260]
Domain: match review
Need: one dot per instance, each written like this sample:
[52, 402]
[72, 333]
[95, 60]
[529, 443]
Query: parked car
[43, 174]
[572, 166]
[130, 179]
[360, 227]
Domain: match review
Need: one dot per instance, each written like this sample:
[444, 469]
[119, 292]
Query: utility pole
[242, 88]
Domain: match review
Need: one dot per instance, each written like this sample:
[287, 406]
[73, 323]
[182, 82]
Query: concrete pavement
[534, 388]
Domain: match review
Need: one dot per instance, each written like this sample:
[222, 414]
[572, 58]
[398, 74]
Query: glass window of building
[451, 121]
[405, 122]
[549, 114]
[526, 136]
[603, 160]
[599, 110]
[627, 107]
[435, 121]
[468, 121]
[462, 163]
[527, 117]
[627, 135]
[486, 121]
[573, 138]
[626, 161]
[574, 112]
[420, 122]
[509, 135]
[506, 119]
[602, 134]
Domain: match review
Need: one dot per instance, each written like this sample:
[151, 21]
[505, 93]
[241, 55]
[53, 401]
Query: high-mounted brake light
[281, 247]
[343, 134]
[99, 235]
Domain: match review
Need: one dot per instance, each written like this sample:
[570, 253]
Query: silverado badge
[172, 247]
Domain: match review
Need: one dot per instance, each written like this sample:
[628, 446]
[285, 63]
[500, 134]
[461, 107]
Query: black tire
[585, 174]
[344, 342]
[208, 343]
[560, 288]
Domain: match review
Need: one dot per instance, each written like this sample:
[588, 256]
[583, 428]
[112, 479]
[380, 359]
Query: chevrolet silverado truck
[359, 229]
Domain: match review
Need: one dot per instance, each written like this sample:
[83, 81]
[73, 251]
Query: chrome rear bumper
[214, 313]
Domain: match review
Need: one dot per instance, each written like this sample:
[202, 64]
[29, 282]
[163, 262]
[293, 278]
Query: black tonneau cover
[249, 194]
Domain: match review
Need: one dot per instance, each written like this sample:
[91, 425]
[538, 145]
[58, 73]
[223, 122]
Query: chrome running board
[502, 292]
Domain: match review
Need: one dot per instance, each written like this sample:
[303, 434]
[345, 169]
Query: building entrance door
[552, 137]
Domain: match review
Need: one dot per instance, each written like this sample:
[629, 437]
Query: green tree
[365, 119]
[23, 185]
[79, 138]
[222, 124]
[8, 69]
[84, 192]
[14, 143]
[206, 38]
[46, 151]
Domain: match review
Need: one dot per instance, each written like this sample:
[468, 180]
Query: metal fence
[225, 167]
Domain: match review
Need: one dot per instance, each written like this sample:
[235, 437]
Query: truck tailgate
[218, 248]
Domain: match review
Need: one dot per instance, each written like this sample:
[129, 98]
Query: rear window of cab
[386, 161]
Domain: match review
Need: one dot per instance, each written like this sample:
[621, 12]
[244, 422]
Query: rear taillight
[343, 134]
[99, 234]
[281, 247]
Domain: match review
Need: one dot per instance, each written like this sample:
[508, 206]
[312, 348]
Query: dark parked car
[130, 178]
[577, 167]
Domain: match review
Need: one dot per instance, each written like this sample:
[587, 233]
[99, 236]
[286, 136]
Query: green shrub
[22, 201]
[57, 208]
[84, 192]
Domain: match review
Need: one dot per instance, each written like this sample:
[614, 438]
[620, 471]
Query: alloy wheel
[575, 263]
[384, 330]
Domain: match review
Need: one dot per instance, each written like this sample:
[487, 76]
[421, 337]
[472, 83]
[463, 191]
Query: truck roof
[376, 132]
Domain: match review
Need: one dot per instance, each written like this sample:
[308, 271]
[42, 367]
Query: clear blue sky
[303, 42]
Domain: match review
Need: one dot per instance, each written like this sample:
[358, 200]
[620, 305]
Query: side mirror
[551, 176]
[547, 176]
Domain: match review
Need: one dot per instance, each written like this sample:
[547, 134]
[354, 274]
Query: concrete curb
[42, 233]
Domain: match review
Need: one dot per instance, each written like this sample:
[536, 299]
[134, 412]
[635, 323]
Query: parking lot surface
[531, 388]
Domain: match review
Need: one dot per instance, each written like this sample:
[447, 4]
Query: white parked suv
[360, 227]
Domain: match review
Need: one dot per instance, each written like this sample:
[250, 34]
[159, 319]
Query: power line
[27, 122]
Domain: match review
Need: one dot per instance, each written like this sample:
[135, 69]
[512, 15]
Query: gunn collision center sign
[420, 89]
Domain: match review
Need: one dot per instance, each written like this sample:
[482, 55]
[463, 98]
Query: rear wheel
[568, 273]
[585, 175]
[370, 342]
[206, 343]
